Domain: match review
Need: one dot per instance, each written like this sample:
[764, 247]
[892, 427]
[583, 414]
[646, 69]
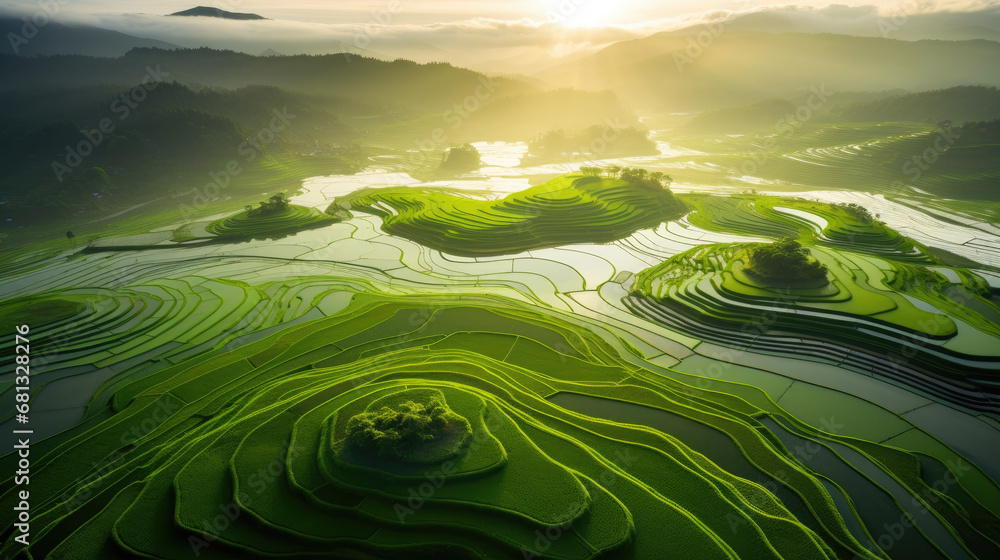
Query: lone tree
[784, 261]
[410, 432]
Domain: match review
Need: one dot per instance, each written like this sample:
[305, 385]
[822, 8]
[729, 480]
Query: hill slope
[401, 82]
[671, 71]
[958, 104]
[56, 38]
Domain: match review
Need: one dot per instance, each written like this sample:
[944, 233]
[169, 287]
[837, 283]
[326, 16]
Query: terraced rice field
[290, 220]
[568, 209]
[571, 440]
[876, 316]
[630, 393]
[874, 157]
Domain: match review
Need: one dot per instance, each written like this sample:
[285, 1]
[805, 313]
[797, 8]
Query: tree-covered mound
[411, 432]
[274, 216]
[784, 262]
[572, 208]
[461, 158]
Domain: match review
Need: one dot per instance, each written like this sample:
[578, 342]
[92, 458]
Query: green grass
[37, 312]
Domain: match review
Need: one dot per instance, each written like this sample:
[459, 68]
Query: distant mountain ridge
[957, 104]
[740, 119]
[56, 38]
[207, 11]
[399, 83]
[671, 71]
[942, 25]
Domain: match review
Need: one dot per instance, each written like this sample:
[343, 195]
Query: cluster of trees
[858, 212]
[461, 158]
[397, 433]
[981, 126]
[275, 205]
[637, 177]
[784, 261]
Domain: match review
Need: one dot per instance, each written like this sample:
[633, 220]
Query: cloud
[465, 42]
[523, 45]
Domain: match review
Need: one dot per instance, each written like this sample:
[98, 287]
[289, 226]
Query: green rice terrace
[568, 209]
[513, 363]
[265, 221]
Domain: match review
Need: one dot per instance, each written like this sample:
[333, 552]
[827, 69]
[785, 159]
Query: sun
[581, 13]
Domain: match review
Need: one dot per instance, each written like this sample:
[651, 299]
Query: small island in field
[784, 262]
[273, 217]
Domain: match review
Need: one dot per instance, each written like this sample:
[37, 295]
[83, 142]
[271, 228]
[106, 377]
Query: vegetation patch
[784, 262]
[413, 432]
[37, 312]
[461, 158]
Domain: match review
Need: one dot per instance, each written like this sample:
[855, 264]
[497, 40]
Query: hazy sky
[572, 12]
[504, 35]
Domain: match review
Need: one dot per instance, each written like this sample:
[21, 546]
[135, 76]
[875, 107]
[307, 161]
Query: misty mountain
[251, 107]
[896, 22]
[173, 137]
[525, 116]
[741, 119]
[517, 117]
[434, 86]
[958, 104]
[26, 39]
[671, 71]
[205, 11]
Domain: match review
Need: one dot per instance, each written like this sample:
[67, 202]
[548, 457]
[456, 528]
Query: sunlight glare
[582, 13]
